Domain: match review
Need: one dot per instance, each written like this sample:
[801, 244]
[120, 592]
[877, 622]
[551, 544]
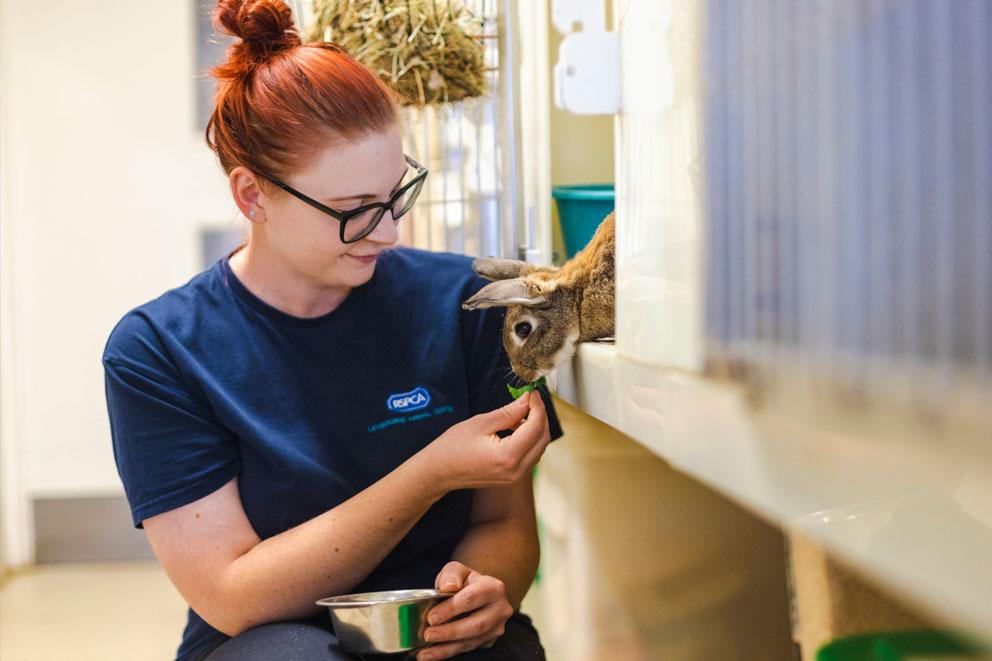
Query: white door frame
[16, 525]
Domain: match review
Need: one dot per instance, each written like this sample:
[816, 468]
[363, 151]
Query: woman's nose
[385, 231]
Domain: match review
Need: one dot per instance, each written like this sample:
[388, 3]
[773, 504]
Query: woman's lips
[365, 259]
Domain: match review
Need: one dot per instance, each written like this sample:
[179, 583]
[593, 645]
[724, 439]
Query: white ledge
[917, 516]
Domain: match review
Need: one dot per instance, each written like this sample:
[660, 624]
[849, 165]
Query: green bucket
[902, 646]
[581, 209]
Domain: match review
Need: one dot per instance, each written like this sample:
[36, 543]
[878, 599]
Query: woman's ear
[247, 193]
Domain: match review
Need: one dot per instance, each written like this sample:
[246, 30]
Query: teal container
[581, 209]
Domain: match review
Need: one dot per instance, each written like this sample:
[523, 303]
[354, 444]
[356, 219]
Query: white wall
[107, 182]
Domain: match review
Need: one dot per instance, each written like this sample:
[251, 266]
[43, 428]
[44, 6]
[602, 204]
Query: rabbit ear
[496, 268]
[505, 292]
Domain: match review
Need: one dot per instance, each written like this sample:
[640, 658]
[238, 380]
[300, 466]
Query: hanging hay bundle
[428, 51]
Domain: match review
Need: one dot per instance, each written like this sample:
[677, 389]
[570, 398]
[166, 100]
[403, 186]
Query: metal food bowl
[382, 622]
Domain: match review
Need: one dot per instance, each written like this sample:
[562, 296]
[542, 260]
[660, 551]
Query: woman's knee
[282, 640]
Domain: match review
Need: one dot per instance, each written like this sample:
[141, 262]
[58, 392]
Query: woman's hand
[471, 455]
[480, 606]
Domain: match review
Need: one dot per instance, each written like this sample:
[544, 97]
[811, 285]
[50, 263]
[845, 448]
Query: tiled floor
[120, 611]
[94, 611]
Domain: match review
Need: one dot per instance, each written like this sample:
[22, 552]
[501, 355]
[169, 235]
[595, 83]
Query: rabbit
[550, 310]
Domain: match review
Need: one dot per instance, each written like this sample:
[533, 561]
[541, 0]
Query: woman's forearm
[505, 548]
[281, 577]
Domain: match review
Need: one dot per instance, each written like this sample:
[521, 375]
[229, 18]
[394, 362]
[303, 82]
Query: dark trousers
[306, 641]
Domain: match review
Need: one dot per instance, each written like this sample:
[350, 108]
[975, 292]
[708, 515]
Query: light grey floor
[90, 611]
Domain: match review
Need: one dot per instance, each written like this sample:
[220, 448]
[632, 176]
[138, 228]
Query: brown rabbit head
[541, 326]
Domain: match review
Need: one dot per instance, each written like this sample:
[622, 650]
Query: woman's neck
[283, 287]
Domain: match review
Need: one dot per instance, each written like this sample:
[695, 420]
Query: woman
[315, 415]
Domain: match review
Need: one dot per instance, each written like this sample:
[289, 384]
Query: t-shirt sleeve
[489, 369]
[169, 447]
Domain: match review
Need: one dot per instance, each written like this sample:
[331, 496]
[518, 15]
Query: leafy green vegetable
[533, 385]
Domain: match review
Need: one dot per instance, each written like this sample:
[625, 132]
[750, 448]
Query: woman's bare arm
[235, 581]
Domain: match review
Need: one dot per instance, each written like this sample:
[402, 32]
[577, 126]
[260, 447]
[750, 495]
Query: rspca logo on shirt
[414, 400]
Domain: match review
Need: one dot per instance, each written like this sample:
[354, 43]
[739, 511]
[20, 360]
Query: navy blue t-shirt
[208, 382]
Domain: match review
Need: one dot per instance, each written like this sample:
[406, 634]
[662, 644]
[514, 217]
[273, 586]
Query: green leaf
[533, 385]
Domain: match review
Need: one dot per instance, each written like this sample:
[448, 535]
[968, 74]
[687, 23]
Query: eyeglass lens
[364, 223]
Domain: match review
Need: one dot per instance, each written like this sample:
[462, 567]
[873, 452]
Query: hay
[428, 51]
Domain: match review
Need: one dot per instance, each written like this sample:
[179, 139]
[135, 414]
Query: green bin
[580, 210]
[902, 646]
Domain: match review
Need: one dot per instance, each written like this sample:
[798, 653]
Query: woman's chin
[346, 271]
[359, 275]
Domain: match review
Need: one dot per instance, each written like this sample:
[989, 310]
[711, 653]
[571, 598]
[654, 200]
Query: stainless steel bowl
[382, 622]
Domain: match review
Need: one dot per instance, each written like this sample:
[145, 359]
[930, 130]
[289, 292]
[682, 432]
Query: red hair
[280, 102]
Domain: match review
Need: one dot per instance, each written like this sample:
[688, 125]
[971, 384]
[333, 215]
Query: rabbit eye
[522, 329]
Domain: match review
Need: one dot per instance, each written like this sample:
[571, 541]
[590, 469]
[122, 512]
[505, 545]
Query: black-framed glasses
[356, 224]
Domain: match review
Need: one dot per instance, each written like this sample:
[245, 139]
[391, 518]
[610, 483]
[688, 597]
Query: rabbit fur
[562, 306]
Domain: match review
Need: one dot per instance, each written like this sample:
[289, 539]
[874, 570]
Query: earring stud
[251, 213]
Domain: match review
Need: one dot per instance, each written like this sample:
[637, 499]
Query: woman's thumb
[507, 416]
[452, 577]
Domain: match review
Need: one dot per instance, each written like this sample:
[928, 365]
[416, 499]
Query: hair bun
[264, 26]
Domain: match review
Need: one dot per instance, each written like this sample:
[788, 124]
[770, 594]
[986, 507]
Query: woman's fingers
[534, 453]
[520, 450]
[473, 618]
[483, 607]
[531, 428]
[483, 457]
[474, 595]
[529, 407]
[478, 624]
[505, 417]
